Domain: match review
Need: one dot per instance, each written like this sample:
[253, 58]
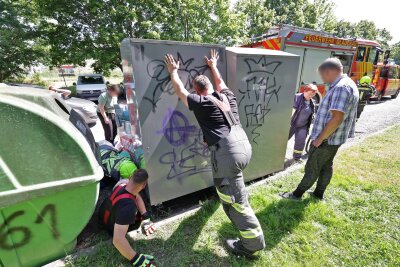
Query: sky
[385, 13]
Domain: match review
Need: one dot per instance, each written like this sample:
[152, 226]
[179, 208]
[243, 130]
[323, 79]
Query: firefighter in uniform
[366, 90]
[121, 210]
[217, 115]
[303, 111]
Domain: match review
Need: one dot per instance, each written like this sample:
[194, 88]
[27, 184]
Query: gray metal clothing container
[177, 160]
[264, 83]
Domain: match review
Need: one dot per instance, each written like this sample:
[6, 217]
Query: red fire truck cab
[365, 59]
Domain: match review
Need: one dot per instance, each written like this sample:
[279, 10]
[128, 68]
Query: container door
[264, 86]
[312, 59]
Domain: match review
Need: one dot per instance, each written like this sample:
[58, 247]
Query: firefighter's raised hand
[171, 64]
[212, 61]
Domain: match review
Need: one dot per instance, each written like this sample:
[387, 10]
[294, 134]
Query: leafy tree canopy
[20, 44]
[69, 32]
[395, 52]
[78, 30]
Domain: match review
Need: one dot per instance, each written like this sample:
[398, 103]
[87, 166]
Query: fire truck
[357, 56]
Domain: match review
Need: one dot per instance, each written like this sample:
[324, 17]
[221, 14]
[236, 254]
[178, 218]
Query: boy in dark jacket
[303, 111]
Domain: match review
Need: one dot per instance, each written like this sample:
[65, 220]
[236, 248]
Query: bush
[37, 80]
[72, 88]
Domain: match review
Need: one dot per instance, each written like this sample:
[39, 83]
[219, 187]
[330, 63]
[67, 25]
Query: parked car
[90, 86]
[85, 108]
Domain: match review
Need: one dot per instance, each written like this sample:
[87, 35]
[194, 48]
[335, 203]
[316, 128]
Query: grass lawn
[359, 224]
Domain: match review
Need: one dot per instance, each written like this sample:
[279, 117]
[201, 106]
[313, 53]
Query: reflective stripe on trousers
[300, 136]
[233, 154]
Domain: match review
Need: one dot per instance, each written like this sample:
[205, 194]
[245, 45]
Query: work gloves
[143, 260]
[148, 227]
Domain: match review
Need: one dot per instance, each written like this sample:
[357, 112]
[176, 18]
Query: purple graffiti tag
[182, 163]
[176, 127]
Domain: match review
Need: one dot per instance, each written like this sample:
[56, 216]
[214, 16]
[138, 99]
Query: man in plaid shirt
[334, 123]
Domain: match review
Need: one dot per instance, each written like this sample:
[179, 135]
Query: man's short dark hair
[202, 83]
[331, 63]
[140, 176]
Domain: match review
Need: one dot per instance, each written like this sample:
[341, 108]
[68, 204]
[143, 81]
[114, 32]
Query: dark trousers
[319, 167]
[300, 135]
[229, 158]
[360, 108]
[110, 130]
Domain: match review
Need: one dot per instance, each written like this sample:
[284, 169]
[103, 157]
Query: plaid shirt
[342, 96]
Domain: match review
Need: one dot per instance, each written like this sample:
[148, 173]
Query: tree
[288, 12]
[363, 29]
[319, 15]
[395, 52]
[258, 17]
[345, 29]
[79, 30]
[202, 21]
[384, 37]
[20, 46]
[367, 29]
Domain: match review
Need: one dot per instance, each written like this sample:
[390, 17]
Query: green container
[48, 181]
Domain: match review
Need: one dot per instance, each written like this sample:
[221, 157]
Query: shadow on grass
[178, 249]
[277, 220]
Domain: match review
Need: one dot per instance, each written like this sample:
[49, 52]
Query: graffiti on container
[8, 231]
[176, 127]
[159, 75]
[187, 147]
[261, 87]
